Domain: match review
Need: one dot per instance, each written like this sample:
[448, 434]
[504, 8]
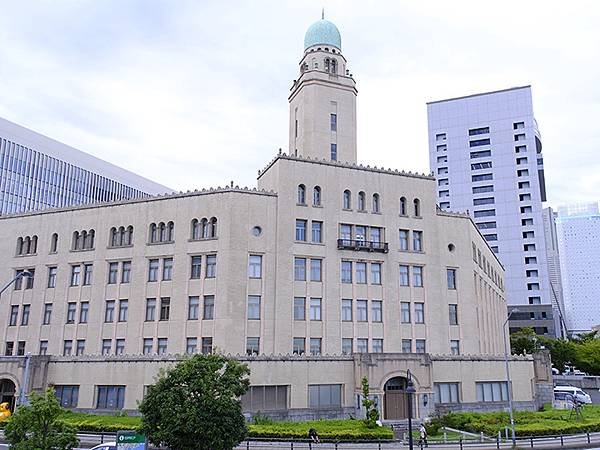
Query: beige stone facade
[326, 272]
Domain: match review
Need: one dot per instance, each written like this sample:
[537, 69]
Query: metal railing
[360, 245]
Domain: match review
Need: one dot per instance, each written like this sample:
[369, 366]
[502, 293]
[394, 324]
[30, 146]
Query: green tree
[562, 352]
[524, 341]
[587, 356]
[37, 426]
[195, 404]
[371, 413]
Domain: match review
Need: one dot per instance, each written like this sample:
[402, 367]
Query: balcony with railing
[362, 245]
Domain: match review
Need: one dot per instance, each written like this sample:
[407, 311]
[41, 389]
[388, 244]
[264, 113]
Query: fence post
[531, 440]
[247, 445]
[309, 445]
[588, 437]
[481, 436]
[498, 440]
[460, 441]
[336, 445]
[292, 445]
[506, 432]
[379, 444]
[562, 444]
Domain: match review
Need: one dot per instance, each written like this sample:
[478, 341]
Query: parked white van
[576, 392]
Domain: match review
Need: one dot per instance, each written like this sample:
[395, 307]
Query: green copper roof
[323, 32]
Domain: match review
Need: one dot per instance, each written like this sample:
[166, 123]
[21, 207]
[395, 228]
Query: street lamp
[508, 382]
[410, 390]
[25, 274]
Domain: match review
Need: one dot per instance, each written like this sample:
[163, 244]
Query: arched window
[26, 245]
[54, 243]
[333, 66]
[195, 231]
[129, 235]
[113, 237]
[153, 232]
[121, 238]
[34, 240]
[204, 227]
[301, 194]
[89, 241]
[213, 227]
[83, 237]
[376, 206]
[75, 242]
[20, 246]
[163, 232]
[170, 231]
[346, 199]
[327, 65]
[317, 196]
[361, 201]
[403, 206]
[417, 204]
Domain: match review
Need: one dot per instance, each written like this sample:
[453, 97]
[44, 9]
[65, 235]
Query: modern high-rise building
[553, 258]
[578, 232]
[37, 172]
[486, 153]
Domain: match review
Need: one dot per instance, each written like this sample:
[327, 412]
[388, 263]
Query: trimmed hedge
[98, 424]
[340, 430]
[543, 423]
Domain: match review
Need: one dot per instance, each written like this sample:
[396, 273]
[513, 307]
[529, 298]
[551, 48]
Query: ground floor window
[67, 395]
[265, 398]
[325, 396]
[447, 393]
[110, 397]
[492, 392]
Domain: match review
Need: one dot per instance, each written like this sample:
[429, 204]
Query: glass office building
[37, 172]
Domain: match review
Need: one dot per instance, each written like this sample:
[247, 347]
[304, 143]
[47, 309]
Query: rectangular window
[451, 278]
[265, 398]
[167, 269]
[254, 307]
[490, 237]
[120, 347]
[524, 185]
[52, 276]
[206, 346]
[255, 266]
[518, 125]
[346, 233]
[376, 310]
[419, 313]
[252, 346]
[211, 266]
[316, 270]
[315, 346]
[362, 311]
[67, 348]
[301, 230]
[123, 308]
[47, 313]
[492, 391]
[196, 267]
[455, 347]
[443, 182]
[404, 312]
[444, 193]
[147, 345]
[519, 137]
[420, 346]
[113, 270]
[165, 308]
[333, 122]
[417, 241]
[9, 348]
[442, 159]
[477, 131]
[110, 397]
[404, 275]
[299, 346]
[479, 142]
[71, 311]
[106, 346]
[377, 346]
[315, 308]
[150, 309]
[482, 154]
[161, 346]
[208, 312]
[446, 393]
[375, 273]
[67, 395]
[84, 308]
[453, 314]
[25, 315]
[482, 177]
[299, 308]
[346, 346]
[333, 152]
[317, 228]
[300, 269]
[191, 345]
[486, 225]
[523, 173]
[346, 272]
[440, 137]
[75, 275]
[483, 201]
[325, 396]
[362, 345]
[441, 148]
[483, 189]
[481, 165]
[406, 346]
[403, 240]
[126, 272]
[153, 270]
[43, 347]
[417, 276]
[484, 213]
[346, 310]
[361, 272]
[193, 308]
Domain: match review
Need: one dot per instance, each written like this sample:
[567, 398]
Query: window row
[27, 245]
[356, 272]
[490, 391]
[361, 203]
[316, 231]
[484, 264]
[316, 197]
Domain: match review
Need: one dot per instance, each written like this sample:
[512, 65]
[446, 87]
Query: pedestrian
[423, 436]
[313, 435]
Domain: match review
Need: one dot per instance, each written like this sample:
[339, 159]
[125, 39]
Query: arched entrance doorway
[395, 399]
[7, 393]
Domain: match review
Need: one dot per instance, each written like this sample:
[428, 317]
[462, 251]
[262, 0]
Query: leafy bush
[339, 430]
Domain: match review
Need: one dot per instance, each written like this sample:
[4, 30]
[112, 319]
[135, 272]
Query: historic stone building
[326, 272]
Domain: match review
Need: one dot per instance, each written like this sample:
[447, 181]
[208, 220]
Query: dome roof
[323, 32]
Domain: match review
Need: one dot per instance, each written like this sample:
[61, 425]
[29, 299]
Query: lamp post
[23, 394]
[508, 381]
[410, 390]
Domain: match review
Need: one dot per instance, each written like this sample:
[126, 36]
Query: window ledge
[160, 243]
[25, 254]
[119, 246]
[79, 250]
[301, 204]
[202, 239]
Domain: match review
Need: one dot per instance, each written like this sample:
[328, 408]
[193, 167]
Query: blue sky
[193, 94]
